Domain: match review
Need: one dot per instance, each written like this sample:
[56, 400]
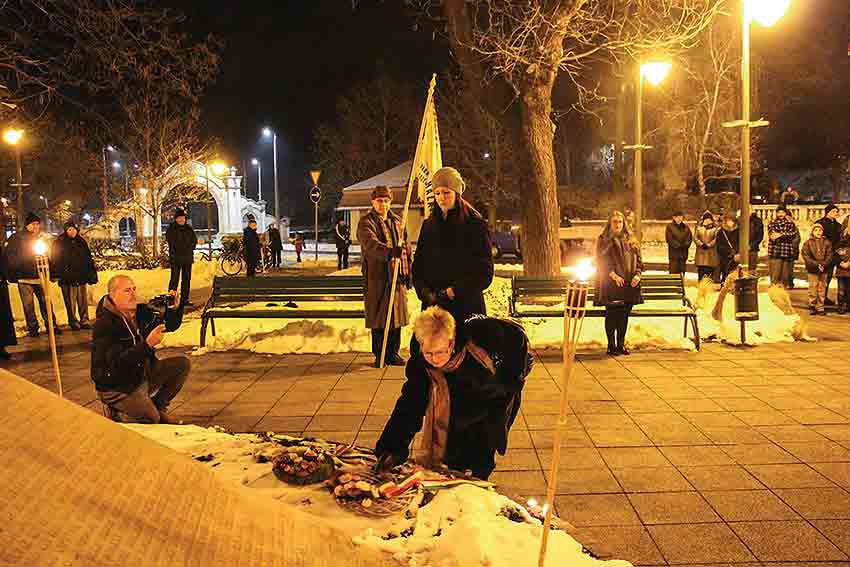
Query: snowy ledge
[461, 527]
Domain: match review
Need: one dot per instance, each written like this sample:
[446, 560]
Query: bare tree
[512, 51]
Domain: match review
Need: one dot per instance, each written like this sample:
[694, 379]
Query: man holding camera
[135, 385]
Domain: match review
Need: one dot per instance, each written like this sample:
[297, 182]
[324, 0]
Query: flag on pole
[429, 156]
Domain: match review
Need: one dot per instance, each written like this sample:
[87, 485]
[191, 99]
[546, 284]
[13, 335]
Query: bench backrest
[286, 288]
[653, 287]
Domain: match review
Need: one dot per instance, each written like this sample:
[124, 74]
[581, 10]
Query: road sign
[315, 195]
[314, 175]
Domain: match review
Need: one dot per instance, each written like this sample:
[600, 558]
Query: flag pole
[410, 182]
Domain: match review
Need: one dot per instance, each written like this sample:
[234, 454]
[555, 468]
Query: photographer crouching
[135, 385]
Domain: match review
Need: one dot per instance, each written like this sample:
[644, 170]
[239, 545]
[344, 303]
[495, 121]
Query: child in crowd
[817, 254]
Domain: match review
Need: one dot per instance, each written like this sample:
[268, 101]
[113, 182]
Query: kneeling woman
[618, 269]
[466, 385]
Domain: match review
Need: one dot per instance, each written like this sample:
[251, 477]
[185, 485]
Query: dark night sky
[286, 62]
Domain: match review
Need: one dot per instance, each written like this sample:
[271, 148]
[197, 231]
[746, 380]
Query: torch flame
[582, 271]
[40, 247]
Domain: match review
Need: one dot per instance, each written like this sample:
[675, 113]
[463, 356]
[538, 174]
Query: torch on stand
[575, 299]
[44, 275]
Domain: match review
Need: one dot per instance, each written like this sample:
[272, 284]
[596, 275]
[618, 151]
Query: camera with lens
[162, 309]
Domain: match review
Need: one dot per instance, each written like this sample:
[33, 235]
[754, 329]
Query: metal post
[209, 213]
[638, 188]
[20, 181]
[276, 198]
[316, 207]
[618, 140]
[259, 181]
[103, 189]
[744, 224]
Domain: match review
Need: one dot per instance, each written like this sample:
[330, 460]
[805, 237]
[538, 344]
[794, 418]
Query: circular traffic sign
[315, 195]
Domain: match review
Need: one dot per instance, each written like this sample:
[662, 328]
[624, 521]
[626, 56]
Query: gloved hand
[395, 252]
[427, 296]
[386, 461]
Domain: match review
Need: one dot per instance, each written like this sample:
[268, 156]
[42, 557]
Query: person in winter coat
[251, 246]
[781, 233]
[342, 236]
[832, 232]
[7, 321]
[706, 257]
[618, 274]
[454, 262]
[73, 266]
[20, 256]
[275, 244]
[383, 242]
[181, 255]
[128, 376]
[728, 242]
[465, 384]
[817, 254]
[841, 256]
[679, 239]
[299, 246]
[756, 238]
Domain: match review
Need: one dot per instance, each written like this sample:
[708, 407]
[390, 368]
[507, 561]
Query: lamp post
[259, 165]
[268, 132]
[575, 307]
[767, 13]
[13, 138]
[43, 266]
[654, 72]
[104, 189]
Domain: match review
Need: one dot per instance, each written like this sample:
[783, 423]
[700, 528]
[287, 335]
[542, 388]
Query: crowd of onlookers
[825, 254]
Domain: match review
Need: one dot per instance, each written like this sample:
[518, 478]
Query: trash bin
[746, 299]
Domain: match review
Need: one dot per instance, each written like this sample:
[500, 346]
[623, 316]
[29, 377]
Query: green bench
[231, 293]
[529, 297]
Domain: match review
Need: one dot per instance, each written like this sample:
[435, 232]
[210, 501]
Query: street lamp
[259, 165]
[767, 13]
[43, 266]
[13, 137]
[267, 132]
[104, 189]
[654, 72]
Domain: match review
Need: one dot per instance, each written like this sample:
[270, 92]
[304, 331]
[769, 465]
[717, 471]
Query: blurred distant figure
[251, 246]
[790, 196]
[342, 236]
[275, 244]
[817, 253]
[299, 245]
[832, 232]
[679, 240]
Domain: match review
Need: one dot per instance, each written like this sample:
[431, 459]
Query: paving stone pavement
[723, 456]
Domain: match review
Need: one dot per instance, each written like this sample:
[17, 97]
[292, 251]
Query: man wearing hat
[383, 242]
[181, 254]
[20, 253]
[679, 239]
[251, 246]
[832, 232]
[454, 263]
[781, 233]
[73, 266]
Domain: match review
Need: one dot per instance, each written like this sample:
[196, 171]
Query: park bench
[530, 297]
[284, 298]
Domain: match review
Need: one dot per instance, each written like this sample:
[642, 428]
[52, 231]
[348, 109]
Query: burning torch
[43, 266]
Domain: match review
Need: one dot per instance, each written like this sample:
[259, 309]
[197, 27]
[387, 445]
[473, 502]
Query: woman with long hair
[618, 272]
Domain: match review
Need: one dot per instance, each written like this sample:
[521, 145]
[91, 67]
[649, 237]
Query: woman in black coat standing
[7, 323]
[453, 264]
[618, 273]
[251, 245]
[73, 266]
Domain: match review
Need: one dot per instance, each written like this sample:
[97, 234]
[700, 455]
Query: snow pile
[469, 526]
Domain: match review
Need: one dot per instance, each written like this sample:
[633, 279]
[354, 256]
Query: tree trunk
[540, 214]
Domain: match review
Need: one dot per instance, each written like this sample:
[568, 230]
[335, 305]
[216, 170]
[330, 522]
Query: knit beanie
[707, 215]
[32, 217]
[178, 212]
[782, 207]
[71, 224]
[830, 207]
[450, 178]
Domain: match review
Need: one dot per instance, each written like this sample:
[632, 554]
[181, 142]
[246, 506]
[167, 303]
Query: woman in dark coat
[465, 384]
[276, 245]
[251, 245]
[73, 266]
[453, 264]
[618, 273]
[7, 322]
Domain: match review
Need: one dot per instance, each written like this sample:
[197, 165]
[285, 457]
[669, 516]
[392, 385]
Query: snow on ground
[461, 527]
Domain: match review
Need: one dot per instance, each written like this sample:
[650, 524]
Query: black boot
[623, 325]
[610, 332]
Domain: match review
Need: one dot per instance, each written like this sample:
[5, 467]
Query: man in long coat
[383, 241]
[182, 241]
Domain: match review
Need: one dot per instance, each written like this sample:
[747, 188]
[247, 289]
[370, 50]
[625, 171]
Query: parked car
[506, 240]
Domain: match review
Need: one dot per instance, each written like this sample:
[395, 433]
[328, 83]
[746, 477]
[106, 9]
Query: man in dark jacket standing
[251, 246]
[73, 266]
[454, 262]
[20, 255]
[129, 378]
[181, 254]
[342, 236]
[679, 239]
[831, 232]
[756, 238]
[275, 244]
[383, 241]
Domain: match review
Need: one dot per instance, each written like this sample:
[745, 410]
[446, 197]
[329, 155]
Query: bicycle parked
[233, 258]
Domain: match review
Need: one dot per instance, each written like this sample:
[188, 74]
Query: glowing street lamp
[767, 13]
[43, 265]
[13, 137]
[259, 165]
[654, 72]
[116, 165]
[267, 132]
